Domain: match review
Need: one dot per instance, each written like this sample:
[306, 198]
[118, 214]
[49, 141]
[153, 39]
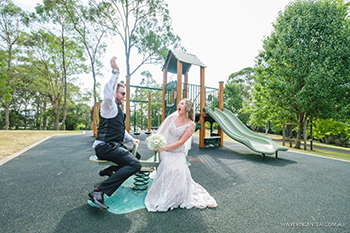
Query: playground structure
[95, 118]
[179, 63]
[133, 118]
[235, 129]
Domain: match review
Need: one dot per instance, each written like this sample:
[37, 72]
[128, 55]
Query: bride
[173, 185]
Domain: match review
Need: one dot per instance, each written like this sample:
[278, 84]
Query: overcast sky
[225, 35]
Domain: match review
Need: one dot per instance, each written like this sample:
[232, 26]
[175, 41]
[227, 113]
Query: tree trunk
[56, 125]
[65, 82]
[300, 118]
[7, 105]
[7, 115]
[94, 93]
[327, 139]
[267, 127]
[343, 141]
[56, 106]
[44, 118]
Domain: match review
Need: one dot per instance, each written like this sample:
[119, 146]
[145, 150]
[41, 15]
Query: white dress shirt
[109, 108]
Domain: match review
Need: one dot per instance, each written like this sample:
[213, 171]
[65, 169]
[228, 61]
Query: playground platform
[45, 190]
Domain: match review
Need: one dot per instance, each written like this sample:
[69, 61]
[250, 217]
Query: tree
[44, 50]
[78, 109]
[144, 25]
[51, 12]
[303, 69]
[3, 74]
[91, 31]
[237, 92]
[245, 78]
[12, 19]
[329, 129]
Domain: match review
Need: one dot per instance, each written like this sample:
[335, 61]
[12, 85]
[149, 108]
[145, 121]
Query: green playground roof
[186, 59]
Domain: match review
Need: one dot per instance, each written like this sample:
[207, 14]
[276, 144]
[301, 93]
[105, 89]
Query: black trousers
[128, 165]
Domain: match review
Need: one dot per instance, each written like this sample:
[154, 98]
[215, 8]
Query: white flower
[155, 142]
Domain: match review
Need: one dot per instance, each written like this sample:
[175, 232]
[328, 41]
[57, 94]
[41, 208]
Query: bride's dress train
[173, 185]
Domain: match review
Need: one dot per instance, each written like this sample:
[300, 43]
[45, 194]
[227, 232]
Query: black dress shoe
[105, 173]
[97, 198]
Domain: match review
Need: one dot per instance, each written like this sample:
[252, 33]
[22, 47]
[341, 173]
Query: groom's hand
[135, 141]
[114, 64]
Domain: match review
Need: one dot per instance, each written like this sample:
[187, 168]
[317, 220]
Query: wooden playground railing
[291, 139]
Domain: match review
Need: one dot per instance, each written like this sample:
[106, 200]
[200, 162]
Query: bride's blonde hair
[189, 109]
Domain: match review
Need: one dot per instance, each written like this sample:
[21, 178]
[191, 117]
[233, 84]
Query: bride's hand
[161, 150]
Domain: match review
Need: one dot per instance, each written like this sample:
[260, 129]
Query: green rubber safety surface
[125, 199]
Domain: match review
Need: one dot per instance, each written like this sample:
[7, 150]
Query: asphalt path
[45, 190]
[315, 147]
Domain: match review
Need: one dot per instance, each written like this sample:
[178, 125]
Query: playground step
[213, 137]
[213, 140]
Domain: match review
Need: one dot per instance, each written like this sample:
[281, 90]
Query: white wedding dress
[173, 185]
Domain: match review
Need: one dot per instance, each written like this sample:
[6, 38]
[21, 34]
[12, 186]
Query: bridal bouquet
[155, 142]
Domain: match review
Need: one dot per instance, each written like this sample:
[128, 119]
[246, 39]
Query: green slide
[235, 129]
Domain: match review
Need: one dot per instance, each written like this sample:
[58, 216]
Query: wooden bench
[141, 177]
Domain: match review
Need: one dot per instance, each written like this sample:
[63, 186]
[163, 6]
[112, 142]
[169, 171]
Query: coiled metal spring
[141, 180]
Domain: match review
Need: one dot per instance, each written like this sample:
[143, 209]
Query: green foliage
[303, 70]
[237, 92]
[233, 99]
[33, 88]
[3, 77]
[244, 79]
[329, 129]
[12, 20]
[207, 125]
[80, 127]
[304, 67]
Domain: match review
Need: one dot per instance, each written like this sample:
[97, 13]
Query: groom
[109, 142]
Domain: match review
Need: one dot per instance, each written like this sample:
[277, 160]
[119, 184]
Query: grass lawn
[325, 151]
[12, 141]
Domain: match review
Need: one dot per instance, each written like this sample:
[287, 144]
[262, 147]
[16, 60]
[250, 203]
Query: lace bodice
[175, 135]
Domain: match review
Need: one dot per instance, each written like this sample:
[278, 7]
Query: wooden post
[284, 133]
[305, 135]
[98, 113]
[221, 106]
[149, 111]
[127, 106]
[312, 136]
[202, 106]
[186, 86]
[165, 73]
[94, 121]
[179, 83]
[290, 136]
